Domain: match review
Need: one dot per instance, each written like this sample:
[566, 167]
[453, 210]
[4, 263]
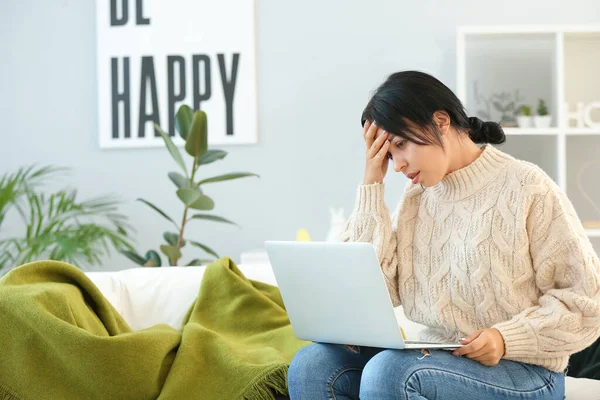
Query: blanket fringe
[275, 382]
[6, 394]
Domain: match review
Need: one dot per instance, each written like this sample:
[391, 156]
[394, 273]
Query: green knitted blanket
[61, 339]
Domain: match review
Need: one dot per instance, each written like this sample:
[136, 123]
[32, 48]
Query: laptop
[336, 293]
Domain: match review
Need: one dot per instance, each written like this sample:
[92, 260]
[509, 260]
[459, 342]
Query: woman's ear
[442, 120]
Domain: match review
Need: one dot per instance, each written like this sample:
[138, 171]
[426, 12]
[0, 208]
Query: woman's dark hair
[413, 96]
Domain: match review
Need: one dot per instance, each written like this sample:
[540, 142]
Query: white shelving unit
[559, 64]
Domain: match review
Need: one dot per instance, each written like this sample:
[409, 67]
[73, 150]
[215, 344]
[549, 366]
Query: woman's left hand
[485, 346]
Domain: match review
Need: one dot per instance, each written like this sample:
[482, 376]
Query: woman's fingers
[370, 134]
[377, 145]
[382, 153]
[481, 353]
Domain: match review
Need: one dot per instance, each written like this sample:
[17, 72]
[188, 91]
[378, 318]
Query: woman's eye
[401, 143]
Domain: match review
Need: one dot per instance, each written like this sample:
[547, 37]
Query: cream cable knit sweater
[494, 244]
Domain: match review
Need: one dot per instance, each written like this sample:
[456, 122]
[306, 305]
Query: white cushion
[148, 296]
[582, 389]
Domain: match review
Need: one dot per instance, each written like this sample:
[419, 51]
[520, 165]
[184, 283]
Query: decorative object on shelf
[588, 224]
[524, 120]
[582, 115]
[502, 104]
[193, 129]
[542, 119]
[336, 224]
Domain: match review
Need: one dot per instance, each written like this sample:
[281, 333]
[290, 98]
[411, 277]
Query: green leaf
[205, 248]
[226, 177]
[179, 180]
[172, 149]
[183, 121]
[211, 156]
[158, 210]
[196, 143]
[172, 252]
[171, 238]
[199, 262]
[152, 259]
[214, 218]
[136, 258]
[194, 198]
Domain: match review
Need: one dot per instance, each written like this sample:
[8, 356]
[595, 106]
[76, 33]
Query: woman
[483, 249]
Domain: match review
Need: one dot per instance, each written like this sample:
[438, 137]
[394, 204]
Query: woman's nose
[399, 164]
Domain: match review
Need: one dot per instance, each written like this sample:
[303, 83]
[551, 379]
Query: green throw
[62, 339]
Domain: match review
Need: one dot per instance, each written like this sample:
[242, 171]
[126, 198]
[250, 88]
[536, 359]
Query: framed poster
[155, 55]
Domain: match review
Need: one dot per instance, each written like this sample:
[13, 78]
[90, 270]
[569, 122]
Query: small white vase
[524, 121]
[542, 121]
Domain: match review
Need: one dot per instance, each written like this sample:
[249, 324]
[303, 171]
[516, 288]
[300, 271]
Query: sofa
[148, 296]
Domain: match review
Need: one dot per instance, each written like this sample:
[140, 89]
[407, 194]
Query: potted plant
[190, 189]
[524, 120]
[543, 119]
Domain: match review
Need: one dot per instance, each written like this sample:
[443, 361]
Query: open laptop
[336, 293]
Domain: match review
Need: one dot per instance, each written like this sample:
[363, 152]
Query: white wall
[317, 63]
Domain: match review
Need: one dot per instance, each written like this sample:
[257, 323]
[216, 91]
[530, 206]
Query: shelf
[593, 232]
[582, 131]
[582, 170]
[531, 131]
[527, 29]
[523, 71]
[551, 131]
[581, 66]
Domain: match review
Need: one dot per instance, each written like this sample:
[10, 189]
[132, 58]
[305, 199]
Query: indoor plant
[57, 226]
[542, 119]
[192, 127]
[524, 120]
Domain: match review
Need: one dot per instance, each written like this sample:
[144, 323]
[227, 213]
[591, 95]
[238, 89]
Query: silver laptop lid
[335, 293]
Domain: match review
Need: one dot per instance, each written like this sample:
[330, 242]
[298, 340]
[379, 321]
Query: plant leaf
[171, 238]
[172, 148]
[214, 218]
[183, 121]
[196, 261]
[158, 210]
[205, 248]
[136, 258]
[179, 180]
[171, 252]
[152, 259]
[194, 198]
[226, 177]
[211, 156]
[196, 143]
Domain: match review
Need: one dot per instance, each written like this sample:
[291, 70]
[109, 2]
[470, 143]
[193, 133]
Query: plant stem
[185, 210]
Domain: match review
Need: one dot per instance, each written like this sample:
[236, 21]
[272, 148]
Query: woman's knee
[388, 372]
[315, 360]
[317, 368]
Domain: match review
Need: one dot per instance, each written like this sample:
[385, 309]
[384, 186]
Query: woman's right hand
[377, 153]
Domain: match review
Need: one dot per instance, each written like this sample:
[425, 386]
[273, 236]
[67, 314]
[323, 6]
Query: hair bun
[485, 132]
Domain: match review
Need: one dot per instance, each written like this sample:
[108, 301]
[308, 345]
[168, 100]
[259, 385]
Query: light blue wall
[317, 63]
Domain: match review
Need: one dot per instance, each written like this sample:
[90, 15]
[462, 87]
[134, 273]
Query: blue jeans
[330, 371]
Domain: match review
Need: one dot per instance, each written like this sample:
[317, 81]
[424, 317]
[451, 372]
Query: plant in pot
[192, 127]
[542, 119]
[524, 120]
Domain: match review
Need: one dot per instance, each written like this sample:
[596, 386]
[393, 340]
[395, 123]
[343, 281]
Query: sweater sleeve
[370, 222]
[566, 318]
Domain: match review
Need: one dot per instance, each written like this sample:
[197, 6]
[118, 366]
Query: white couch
[148, 296]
